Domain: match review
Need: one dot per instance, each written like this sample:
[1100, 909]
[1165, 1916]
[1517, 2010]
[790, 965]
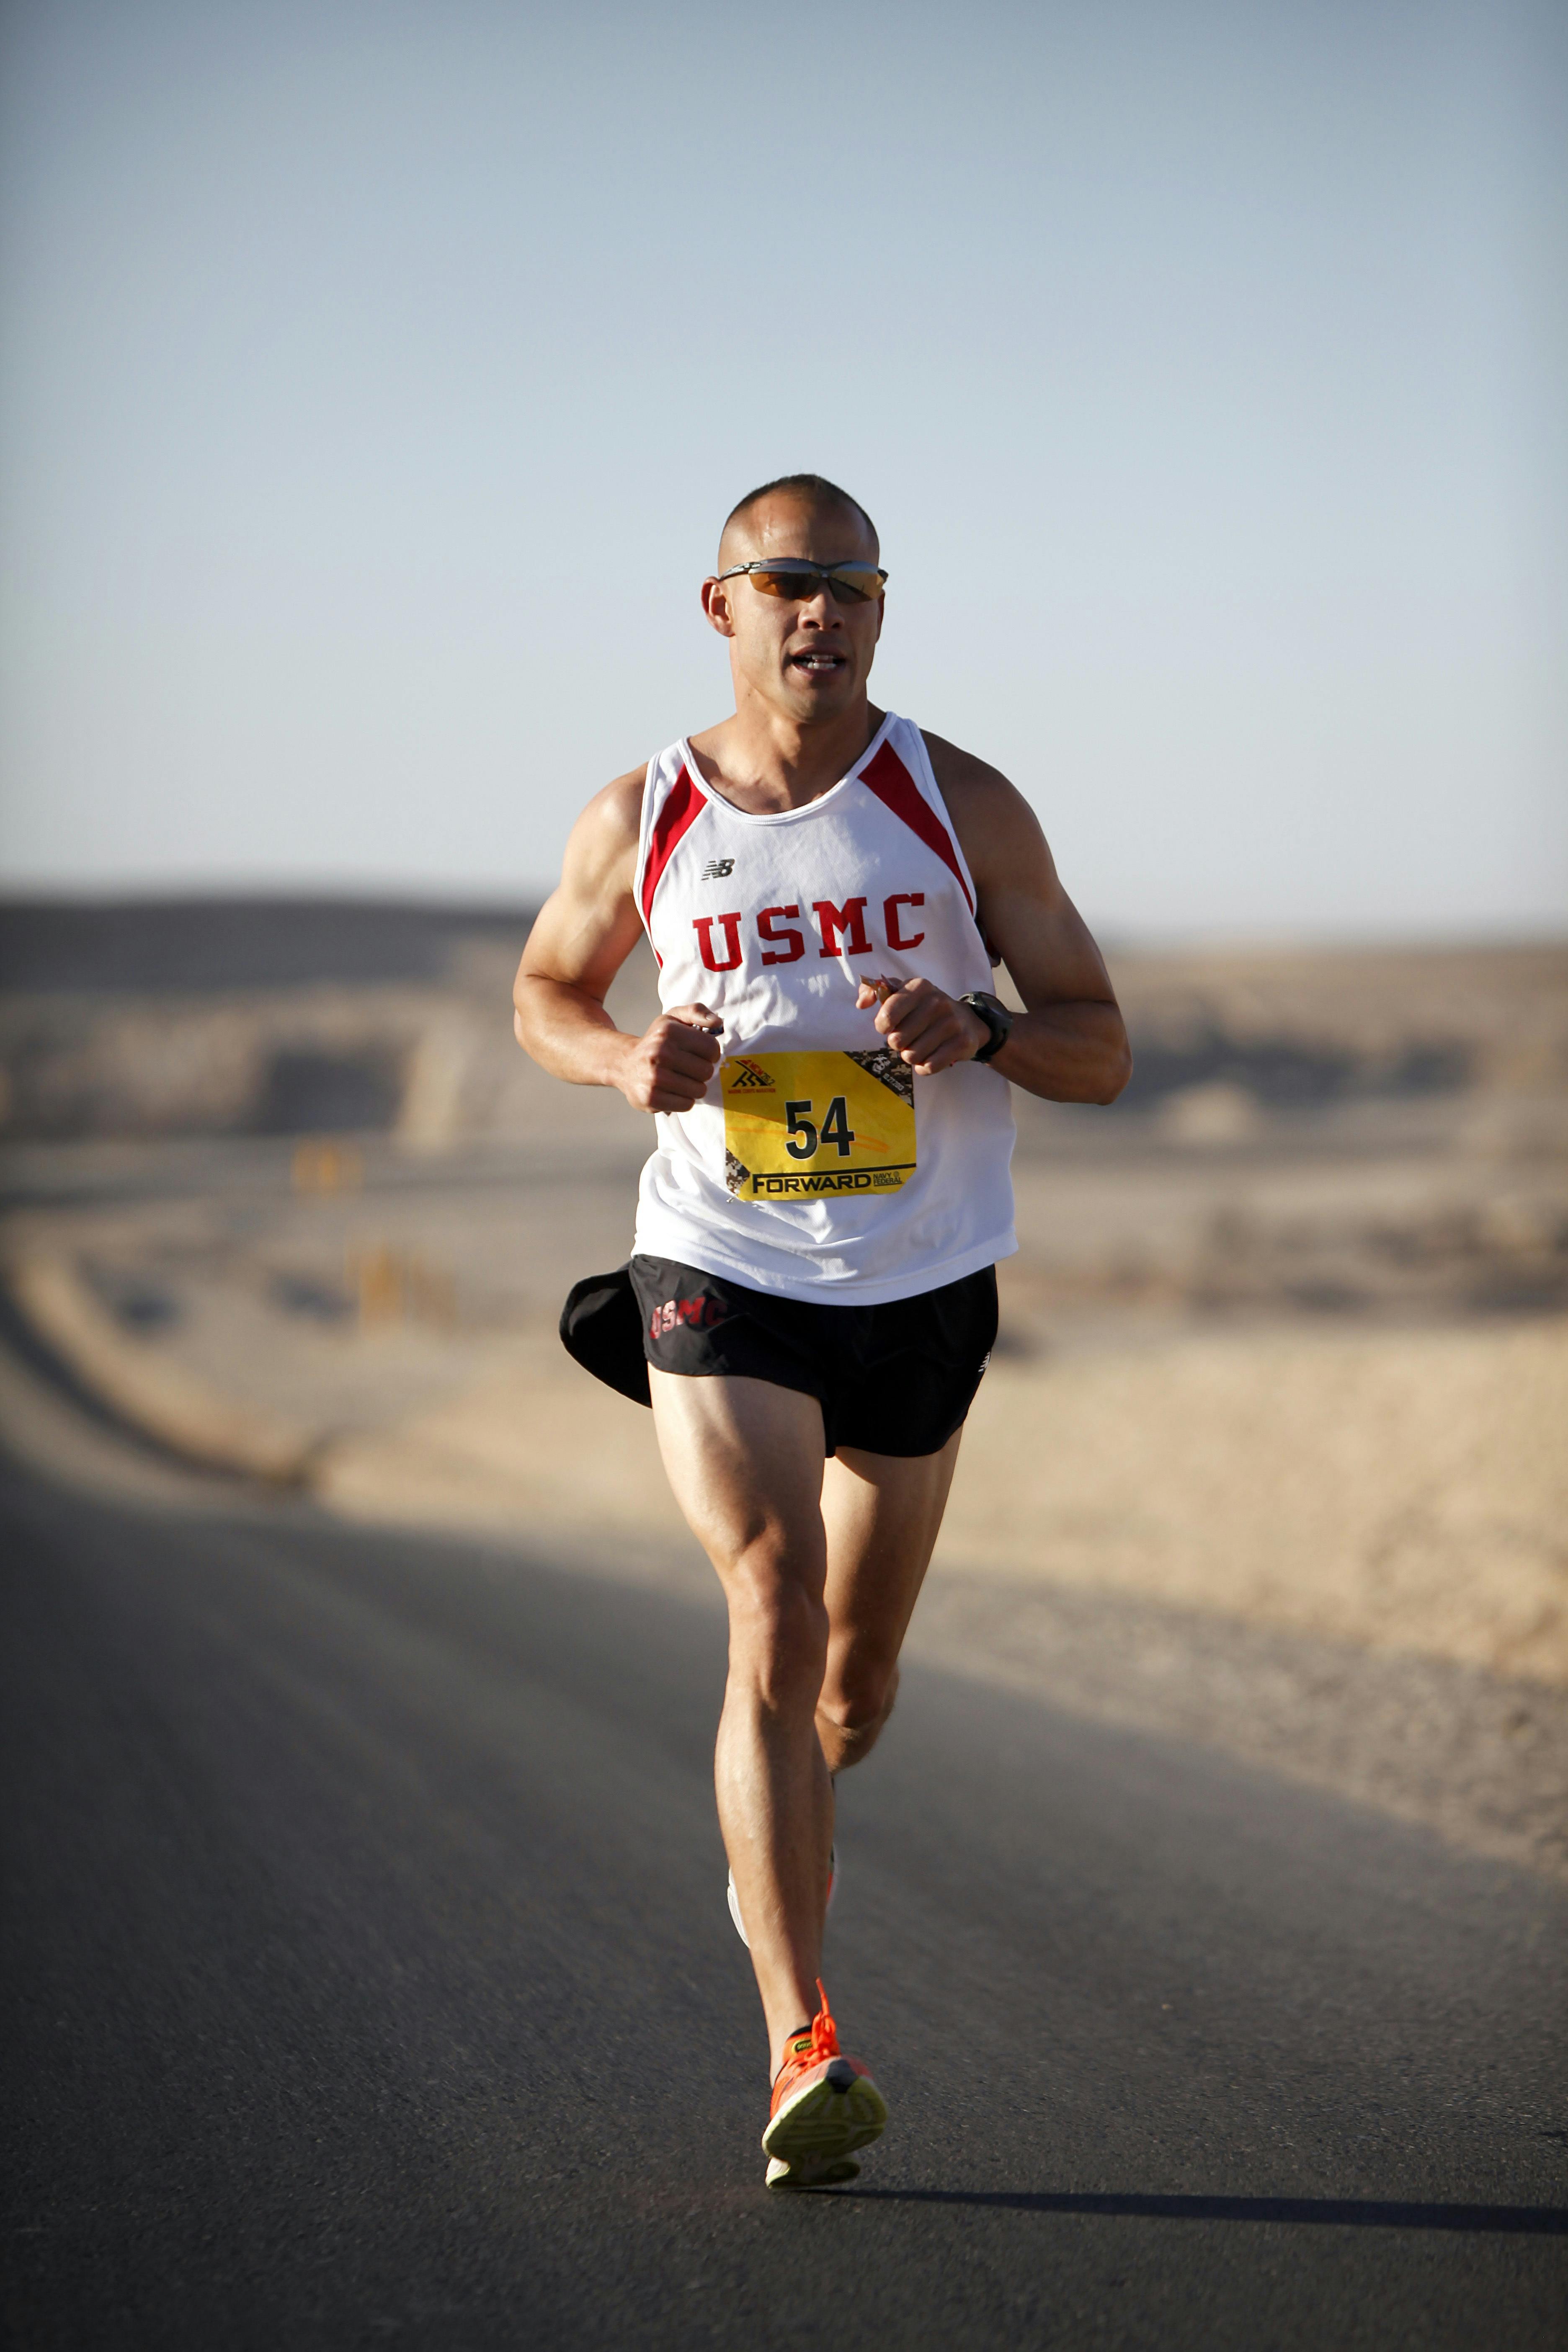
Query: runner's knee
[848, 1725]
[862, 1697]
[778, 1628]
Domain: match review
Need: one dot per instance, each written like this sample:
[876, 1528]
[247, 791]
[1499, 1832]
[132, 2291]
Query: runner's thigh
[882, 1512]
[744, 1460]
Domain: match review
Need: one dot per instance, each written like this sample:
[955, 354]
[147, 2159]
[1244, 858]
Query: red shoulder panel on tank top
[895, 787]
[680, 811]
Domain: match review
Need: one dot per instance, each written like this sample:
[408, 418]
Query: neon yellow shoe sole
[830, 2172]
[834, 2109]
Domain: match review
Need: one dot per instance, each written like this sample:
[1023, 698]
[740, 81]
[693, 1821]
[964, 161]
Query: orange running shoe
[824, 2106]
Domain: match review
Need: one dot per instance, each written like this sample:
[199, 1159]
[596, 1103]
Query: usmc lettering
[847, 922]
[841, 931]
[791, 942]
[703, 927]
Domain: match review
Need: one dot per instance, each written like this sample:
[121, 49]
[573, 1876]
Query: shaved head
[737, 541]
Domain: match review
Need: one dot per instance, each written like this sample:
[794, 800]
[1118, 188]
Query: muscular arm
[1069, 1046]
[585, 931]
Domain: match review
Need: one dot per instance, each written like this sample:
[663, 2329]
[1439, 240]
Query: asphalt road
[369, 1980]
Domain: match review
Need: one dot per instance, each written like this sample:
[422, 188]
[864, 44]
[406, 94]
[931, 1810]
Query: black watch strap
[997, 1019]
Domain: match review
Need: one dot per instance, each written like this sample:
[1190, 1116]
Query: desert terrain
[1271, 1449]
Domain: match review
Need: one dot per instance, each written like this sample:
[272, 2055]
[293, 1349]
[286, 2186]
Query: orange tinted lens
[852, 583]
[788, 579]
[849, 584]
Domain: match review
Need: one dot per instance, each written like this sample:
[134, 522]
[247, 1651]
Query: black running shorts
[896, 1379]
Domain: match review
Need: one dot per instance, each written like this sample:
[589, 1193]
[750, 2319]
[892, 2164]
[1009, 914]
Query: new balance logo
[718, 868]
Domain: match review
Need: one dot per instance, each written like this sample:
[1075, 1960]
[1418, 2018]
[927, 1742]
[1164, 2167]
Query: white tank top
[816, 1164]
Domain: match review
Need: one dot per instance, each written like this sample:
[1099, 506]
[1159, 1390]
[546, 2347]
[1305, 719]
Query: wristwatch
[997, 1019]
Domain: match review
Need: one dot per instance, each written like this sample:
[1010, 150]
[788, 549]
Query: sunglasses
[793, 576]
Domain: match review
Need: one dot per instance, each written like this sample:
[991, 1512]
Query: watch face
[995, 1014]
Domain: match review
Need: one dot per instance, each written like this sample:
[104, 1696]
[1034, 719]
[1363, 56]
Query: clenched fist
[925, 1028]
[669, 1067]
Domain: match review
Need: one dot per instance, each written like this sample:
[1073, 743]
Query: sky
[377, 377]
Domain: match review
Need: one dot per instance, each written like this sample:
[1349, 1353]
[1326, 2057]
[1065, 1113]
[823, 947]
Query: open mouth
[815, 664]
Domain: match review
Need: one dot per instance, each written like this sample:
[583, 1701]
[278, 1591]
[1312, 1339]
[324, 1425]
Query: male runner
[826, 888]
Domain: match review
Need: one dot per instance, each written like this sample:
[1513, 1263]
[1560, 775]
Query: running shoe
[825, 2106]
[735, 1900]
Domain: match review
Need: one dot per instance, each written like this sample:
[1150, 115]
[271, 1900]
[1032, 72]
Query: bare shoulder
[616, 813]
[991, 814]
[959, 770]
[604, 840]
[1023, 911]
[587, 928]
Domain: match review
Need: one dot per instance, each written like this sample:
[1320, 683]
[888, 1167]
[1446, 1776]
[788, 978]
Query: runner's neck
[763, 763]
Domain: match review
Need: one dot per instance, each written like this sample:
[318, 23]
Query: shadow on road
[1332, 2212]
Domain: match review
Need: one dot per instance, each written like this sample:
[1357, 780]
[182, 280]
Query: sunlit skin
[821, 1562]
[799, 670]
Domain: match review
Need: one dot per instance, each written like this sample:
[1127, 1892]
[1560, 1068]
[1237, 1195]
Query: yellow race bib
[796, 1125]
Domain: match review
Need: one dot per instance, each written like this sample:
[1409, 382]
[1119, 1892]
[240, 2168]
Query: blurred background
[376, 381]
[378, 376]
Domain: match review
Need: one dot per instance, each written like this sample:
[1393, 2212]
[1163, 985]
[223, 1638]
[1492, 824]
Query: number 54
[836, 1129]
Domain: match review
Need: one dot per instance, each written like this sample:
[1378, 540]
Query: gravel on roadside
[1481, 1760]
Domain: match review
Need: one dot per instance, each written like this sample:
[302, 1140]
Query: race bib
[800, 1124]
